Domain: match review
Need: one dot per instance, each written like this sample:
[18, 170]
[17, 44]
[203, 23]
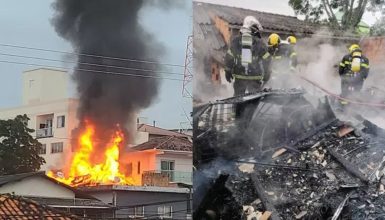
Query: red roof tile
[166, 143]
[159, 131]
[15, 207]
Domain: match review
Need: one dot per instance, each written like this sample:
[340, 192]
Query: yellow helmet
[274, 39]
[354, 47]
[292, 40]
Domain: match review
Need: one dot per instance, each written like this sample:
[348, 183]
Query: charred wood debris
[325, 169]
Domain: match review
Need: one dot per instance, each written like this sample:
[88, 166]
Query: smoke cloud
[111, 29]
[203, 87]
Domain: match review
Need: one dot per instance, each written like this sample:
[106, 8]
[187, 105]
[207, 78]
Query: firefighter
[284, 62]
[293, 55]
[247, 61]
[353, 69]
[284, 56]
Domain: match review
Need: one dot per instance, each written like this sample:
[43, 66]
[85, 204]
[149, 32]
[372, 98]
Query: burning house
[112, 50]
[117, 76]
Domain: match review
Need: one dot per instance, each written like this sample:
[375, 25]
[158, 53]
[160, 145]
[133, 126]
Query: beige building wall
[141, 137]
[37, 186]
[52, 110]
[45, 98]
[44, 85]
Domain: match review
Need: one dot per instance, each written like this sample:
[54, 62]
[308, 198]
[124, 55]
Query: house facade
[142, 202]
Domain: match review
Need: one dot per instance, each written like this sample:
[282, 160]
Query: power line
[87, 70]
[91, 64]
[90, 55]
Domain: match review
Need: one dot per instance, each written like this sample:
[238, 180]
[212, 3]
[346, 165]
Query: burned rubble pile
[323, 173]
[335, 172]
[313, 183]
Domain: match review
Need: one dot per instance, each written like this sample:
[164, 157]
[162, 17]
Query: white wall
[42, 85]
[141, 137]
[183, 160]
[66, 107]
[37, 186]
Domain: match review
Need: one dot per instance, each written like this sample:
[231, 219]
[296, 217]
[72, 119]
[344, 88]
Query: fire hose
[381, 105]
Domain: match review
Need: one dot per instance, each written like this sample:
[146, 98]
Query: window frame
[162, 212]
[55, 147]
[169, 167]
[62, 124]
[170, 172]
[43, 148]
[142, 211]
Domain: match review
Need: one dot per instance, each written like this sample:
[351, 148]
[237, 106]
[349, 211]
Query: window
[139, 211]
[129, 169]
[165, 211]
[60, 121]
[43, 149]
[138, 167]
[57, 147]
[168, 166]
[31, 82]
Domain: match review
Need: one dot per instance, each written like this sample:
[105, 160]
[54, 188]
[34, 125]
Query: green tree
[19, 151]
[352, 11]
[378, 29]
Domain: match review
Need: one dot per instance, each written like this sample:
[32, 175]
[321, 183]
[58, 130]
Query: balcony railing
[175, 176]
[44, 132]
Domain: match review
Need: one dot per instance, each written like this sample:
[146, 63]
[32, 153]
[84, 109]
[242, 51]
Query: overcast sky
[27, 23]
[273, 6]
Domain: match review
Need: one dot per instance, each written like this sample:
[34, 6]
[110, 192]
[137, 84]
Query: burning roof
[91, 166]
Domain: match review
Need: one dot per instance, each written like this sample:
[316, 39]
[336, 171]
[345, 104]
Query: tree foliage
[19, 151]
[352, 11]
[378, 29]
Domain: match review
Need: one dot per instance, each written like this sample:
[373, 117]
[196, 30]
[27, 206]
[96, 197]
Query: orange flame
[84, 172]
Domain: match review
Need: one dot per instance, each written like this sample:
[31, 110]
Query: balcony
[169, 176]
[44, 133]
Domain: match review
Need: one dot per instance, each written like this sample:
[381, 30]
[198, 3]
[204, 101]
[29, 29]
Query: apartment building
[45, 100]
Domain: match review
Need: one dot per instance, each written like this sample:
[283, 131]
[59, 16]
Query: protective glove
[229, 76]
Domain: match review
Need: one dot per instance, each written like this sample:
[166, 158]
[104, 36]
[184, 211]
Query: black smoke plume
[110, 28]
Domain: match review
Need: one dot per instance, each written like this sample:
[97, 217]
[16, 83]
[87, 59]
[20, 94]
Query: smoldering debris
[335, 172]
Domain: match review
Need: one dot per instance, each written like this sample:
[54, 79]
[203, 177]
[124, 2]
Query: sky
[273, 6]
[27, 23]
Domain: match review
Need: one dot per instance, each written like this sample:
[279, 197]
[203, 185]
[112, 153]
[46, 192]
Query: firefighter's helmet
[274, 40]
[292, 40]
[354, 47]
[252, 24]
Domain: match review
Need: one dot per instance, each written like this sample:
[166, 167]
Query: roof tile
[166, 143]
